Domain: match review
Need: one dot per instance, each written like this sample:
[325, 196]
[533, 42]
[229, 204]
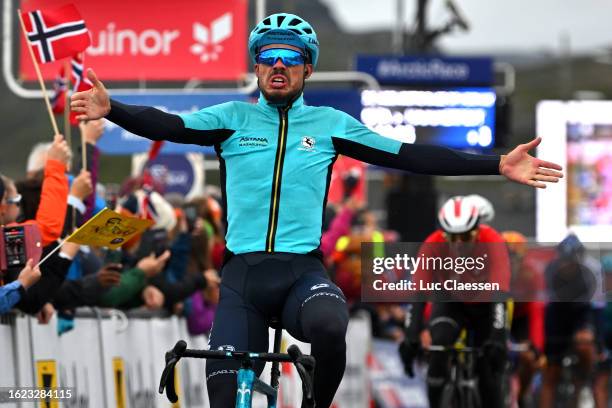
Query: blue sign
[345, 100]
[461, 118]
[175, 171]
[428, 70]
[119, 141]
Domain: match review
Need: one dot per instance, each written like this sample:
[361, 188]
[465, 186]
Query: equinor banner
[157, 39]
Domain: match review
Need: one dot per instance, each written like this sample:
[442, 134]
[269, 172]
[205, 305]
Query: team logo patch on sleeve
[308, 144]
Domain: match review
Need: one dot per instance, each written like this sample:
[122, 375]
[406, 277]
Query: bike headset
[458, 216]
[284, 28]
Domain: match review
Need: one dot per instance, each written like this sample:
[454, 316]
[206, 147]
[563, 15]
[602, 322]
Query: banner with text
[157, 39]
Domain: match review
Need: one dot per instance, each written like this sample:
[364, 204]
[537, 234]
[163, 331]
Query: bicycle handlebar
[304, 364]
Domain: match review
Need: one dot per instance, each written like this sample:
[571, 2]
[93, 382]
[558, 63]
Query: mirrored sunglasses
[288, 57]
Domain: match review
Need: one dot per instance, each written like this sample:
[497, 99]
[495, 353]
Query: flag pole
[67, 127]
[57, 248]
[83, 150]
[68, 130]
[40, 78]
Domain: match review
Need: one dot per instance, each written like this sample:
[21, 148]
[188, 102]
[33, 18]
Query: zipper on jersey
[277, 178]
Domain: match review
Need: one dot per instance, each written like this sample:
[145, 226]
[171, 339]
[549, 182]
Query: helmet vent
[298, 32]
[263, 30]
[307, 30]
[267, 22]
[295, 22]
[279, 20]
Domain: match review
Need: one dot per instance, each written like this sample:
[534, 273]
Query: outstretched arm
[357, 141]
[141, 120]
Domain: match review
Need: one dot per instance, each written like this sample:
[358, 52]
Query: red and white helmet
[458, 215]
[485, 208]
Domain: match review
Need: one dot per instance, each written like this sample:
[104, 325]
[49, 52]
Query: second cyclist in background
[460, 224]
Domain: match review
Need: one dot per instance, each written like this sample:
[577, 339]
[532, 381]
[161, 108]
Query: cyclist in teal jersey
[276, 159]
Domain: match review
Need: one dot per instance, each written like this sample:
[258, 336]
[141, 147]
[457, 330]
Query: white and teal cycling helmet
[283, 28]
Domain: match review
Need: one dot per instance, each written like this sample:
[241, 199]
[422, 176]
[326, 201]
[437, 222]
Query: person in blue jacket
[11, 293]
[276, 159]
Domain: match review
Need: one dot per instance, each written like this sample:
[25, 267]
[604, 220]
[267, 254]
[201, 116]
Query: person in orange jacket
[54, 196]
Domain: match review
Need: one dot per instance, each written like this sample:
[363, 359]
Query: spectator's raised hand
[82, 186]
[109, 275]
[152, 265]
[29, 275]
[59, 150]
[92, 130]
[93, 103]
[153, 298]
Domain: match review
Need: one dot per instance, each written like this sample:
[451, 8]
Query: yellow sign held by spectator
[109, 229]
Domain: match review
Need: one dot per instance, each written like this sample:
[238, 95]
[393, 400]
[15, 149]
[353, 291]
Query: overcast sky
[496, 25]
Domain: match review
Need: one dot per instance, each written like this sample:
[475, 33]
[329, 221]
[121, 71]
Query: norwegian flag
[79, 81]
[56, 33]
[60, 87]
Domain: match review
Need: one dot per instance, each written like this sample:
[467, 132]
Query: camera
[18, 243]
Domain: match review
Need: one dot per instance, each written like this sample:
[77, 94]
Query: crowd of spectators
[172, 267]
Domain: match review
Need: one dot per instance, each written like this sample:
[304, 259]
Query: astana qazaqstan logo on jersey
[248, 141]
[208, 39]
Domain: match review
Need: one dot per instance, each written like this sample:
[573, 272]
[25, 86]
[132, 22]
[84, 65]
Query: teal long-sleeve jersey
[276, 163]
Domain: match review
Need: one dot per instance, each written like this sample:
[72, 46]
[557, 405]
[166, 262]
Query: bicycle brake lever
[167, 378]
[305, 366]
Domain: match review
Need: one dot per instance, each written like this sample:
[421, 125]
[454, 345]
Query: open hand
[93, 103]
[521, 167]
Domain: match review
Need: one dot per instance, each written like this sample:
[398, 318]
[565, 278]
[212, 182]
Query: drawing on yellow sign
[46, 377]
[109, 229]
[119, 376]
